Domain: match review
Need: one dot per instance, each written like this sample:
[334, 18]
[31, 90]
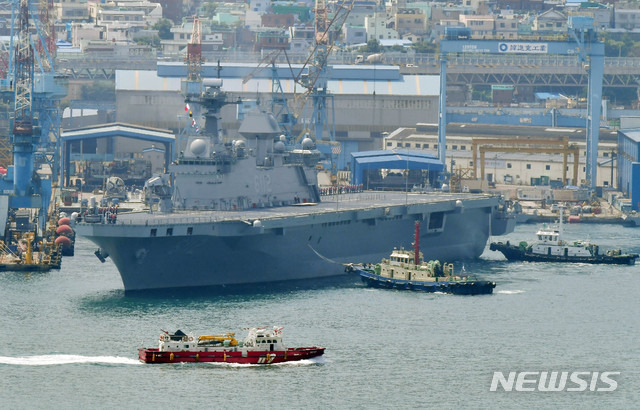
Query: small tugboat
[401, 271]
[551, 247]
[261, 346]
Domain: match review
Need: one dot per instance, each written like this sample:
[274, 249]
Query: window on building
[407, 144]
[528, 166]
[425, 146]
[454, 147]
[389, 144]
[547, 167]
[508, 165]
[463, 147]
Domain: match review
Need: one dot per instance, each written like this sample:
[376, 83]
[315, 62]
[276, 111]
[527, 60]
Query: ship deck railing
[330, 204]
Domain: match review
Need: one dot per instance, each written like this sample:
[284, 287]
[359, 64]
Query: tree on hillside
[99, 91]
[373, 46]
[153, 41]
[425, 47]
[164, 29]
[208, 9]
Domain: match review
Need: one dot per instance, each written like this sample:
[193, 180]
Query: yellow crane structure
[530, 146]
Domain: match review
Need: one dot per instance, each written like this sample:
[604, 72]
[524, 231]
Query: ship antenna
[561, 227]
[416, 244]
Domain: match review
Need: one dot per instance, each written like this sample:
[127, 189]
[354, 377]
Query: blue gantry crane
[582, 41]
[314, 76]
[35, 124]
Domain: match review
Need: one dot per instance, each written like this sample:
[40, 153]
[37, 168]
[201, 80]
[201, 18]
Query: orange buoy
[64, 241]
[64, 230]
[64, 221]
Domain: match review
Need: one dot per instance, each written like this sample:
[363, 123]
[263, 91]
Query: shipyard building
[519, 155]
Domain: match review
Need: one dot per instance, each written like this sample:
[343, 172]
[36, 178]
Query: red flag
[186, 108]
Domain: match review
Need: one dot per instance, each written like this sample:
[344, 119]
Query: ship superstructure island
[250, 211]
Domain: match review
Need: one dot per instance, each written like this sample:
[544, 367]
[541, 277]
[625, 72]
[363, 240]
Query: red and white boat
[261, 346]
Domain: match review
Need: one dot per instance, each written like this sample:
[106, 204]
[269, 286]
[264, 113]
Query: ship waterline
[209, 248]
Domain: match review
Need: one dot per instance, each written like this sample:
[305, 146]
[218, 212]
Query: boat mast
[416, 244]
[561, 208]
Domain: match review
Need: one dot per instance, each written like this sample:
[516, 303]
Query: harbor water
[70, 337]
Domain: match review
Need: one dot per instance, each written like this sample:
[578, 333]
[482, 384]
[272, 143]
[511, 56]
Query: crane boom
[194, 52]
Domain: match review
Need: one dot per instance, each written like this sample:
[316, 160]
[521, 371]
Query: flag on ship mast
[186, 107]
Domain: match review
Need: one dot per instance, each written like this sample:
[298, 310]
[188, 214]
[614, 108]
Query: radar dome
[307, 143]
[198, 147]
[278, 146]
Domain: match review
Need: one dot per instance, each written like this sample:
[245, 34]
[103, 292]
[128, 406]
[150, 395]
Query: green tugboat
[401, 271]
[551, 247]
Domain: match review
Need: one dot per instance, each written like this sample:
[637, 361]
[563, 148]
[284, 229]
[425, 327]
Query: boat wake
[510, 292]
[58, 359]
[297, 363]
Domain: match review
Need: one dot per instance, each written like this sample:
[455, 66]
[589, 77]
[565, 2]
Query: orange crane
[194, 52]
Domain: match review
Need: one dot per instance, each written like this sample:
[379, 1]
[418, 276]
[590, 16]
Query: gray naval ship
[250, 211]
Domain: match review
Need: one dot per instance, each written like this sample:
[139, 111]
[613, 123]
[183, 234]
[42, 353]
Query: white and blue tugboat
[407, 270]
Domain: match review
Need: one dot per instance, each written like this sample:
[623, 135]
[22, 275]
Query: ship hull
[471, 287]
[304, 246]
[154, 356]
[517, 253]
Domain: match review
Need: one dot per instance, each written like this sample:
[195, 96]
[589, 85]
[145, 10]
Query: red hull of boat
[251, 357]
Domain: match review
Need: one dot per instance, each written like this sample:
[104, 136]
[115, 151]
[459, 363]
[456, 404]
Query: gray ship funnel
[264, 128]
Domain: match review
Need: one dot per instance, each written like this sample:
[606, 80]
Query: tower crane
[48, 87]
[22, 136]
[36, 91]
[314, 73]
